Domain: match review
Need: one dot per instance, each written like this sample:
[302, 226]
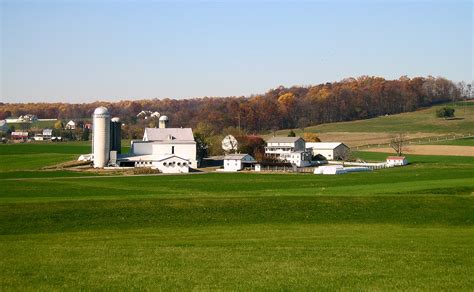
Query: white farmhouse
[288, 149]
[236, 162]
[396, 161]
[331, 151]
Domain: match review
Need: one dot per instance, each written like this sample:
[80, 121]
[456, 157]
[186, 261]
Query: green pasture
[36, 155]
[407, 228]
[424, 120]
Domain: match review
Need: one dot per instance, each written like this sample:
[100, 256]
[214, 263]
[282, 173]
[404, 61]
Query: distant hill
[417, 124]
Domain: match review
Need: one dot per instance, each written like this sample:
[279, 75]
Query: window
[172, 149]
[179, 163]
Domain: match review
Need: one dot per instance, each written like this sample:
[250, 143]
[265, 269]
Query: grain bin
[115, 135]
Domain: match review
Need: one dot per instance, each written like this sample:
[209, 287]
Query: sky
[83, 51]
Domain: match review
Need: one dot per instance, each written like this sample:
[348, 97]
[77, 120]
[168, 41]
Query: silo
[163, 122]
[101, 136]
[116, 135]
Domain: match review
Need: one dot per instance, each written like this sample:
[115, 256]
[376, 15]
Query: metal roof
[323, 145]
[236, 156]
[168, 134]
[396, 157]
[283, 139]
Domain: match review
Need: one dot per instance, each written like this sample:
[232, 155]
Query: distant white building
[396, 161]
[331, 150]
[47, 134]
[236, 162]
[71, 125]
[288, 149]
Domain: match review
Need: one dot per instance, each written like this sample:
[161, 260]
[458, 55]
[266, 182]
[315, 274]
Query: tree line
[280, 108]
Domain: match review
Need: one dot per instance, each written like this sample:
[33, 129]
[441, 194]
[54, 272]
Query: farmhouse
[236, 162]
[288, 149]
[396, 161]
[331, 151]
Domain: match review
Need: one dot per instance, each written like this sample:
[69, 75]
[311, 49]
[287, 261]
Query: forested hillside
[280, 108]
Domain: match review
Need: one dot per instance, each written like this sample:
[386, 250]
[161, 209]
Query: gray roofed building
[237, 157]
[168, 134]
[283, 139]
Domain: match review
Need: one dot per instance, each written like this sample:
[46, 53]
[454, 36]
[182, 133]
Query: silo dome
[163, 121]
[101, 111]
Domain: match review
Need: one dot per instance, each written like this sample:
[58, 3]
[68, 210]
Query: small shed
[396, 161]
[236, 162]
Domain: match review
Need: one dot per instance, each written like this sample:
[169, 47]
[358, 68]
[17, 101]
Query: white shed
[235, 162]
[396, 161]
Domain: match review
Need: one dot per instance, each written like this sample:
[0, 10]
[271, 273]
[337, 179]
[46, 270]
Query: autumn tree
[311, 137]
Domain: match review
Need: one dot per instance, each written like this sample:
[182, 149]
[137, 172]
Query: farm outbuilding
[236, 162]
[396, 161]
[330, 150]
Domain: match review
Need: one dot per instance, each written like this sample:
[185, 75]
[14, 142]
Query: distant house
[288, 149]
[19, 136]
[88, 126]
[47, 134]
[330, 150]
[236, 162]
[71, 125]
[396, 161]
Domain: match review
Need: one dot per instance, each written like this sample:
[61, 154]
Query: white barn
[236, 162]
[330, 150]
[167, 141]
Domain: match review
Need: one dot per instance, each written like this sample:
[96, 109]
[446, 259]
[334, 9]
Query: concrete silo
[163, 122]
[116, 135]
[101, 137]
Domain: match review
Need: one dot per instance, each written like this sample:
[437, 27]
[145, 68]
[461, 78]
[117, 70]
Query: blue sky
[81, 51]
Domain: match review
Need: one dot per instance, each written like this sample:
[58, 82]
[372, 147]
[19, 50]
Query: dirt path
[449, 150]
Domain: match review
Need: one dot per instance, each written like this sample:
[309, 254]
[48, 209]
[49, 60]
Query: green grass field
[419, 121]
[409, 228]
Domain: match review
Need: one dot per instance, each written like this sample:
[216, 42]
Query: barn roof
[396, 157]
[323, 145]
[168, 134]
[236, 156]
